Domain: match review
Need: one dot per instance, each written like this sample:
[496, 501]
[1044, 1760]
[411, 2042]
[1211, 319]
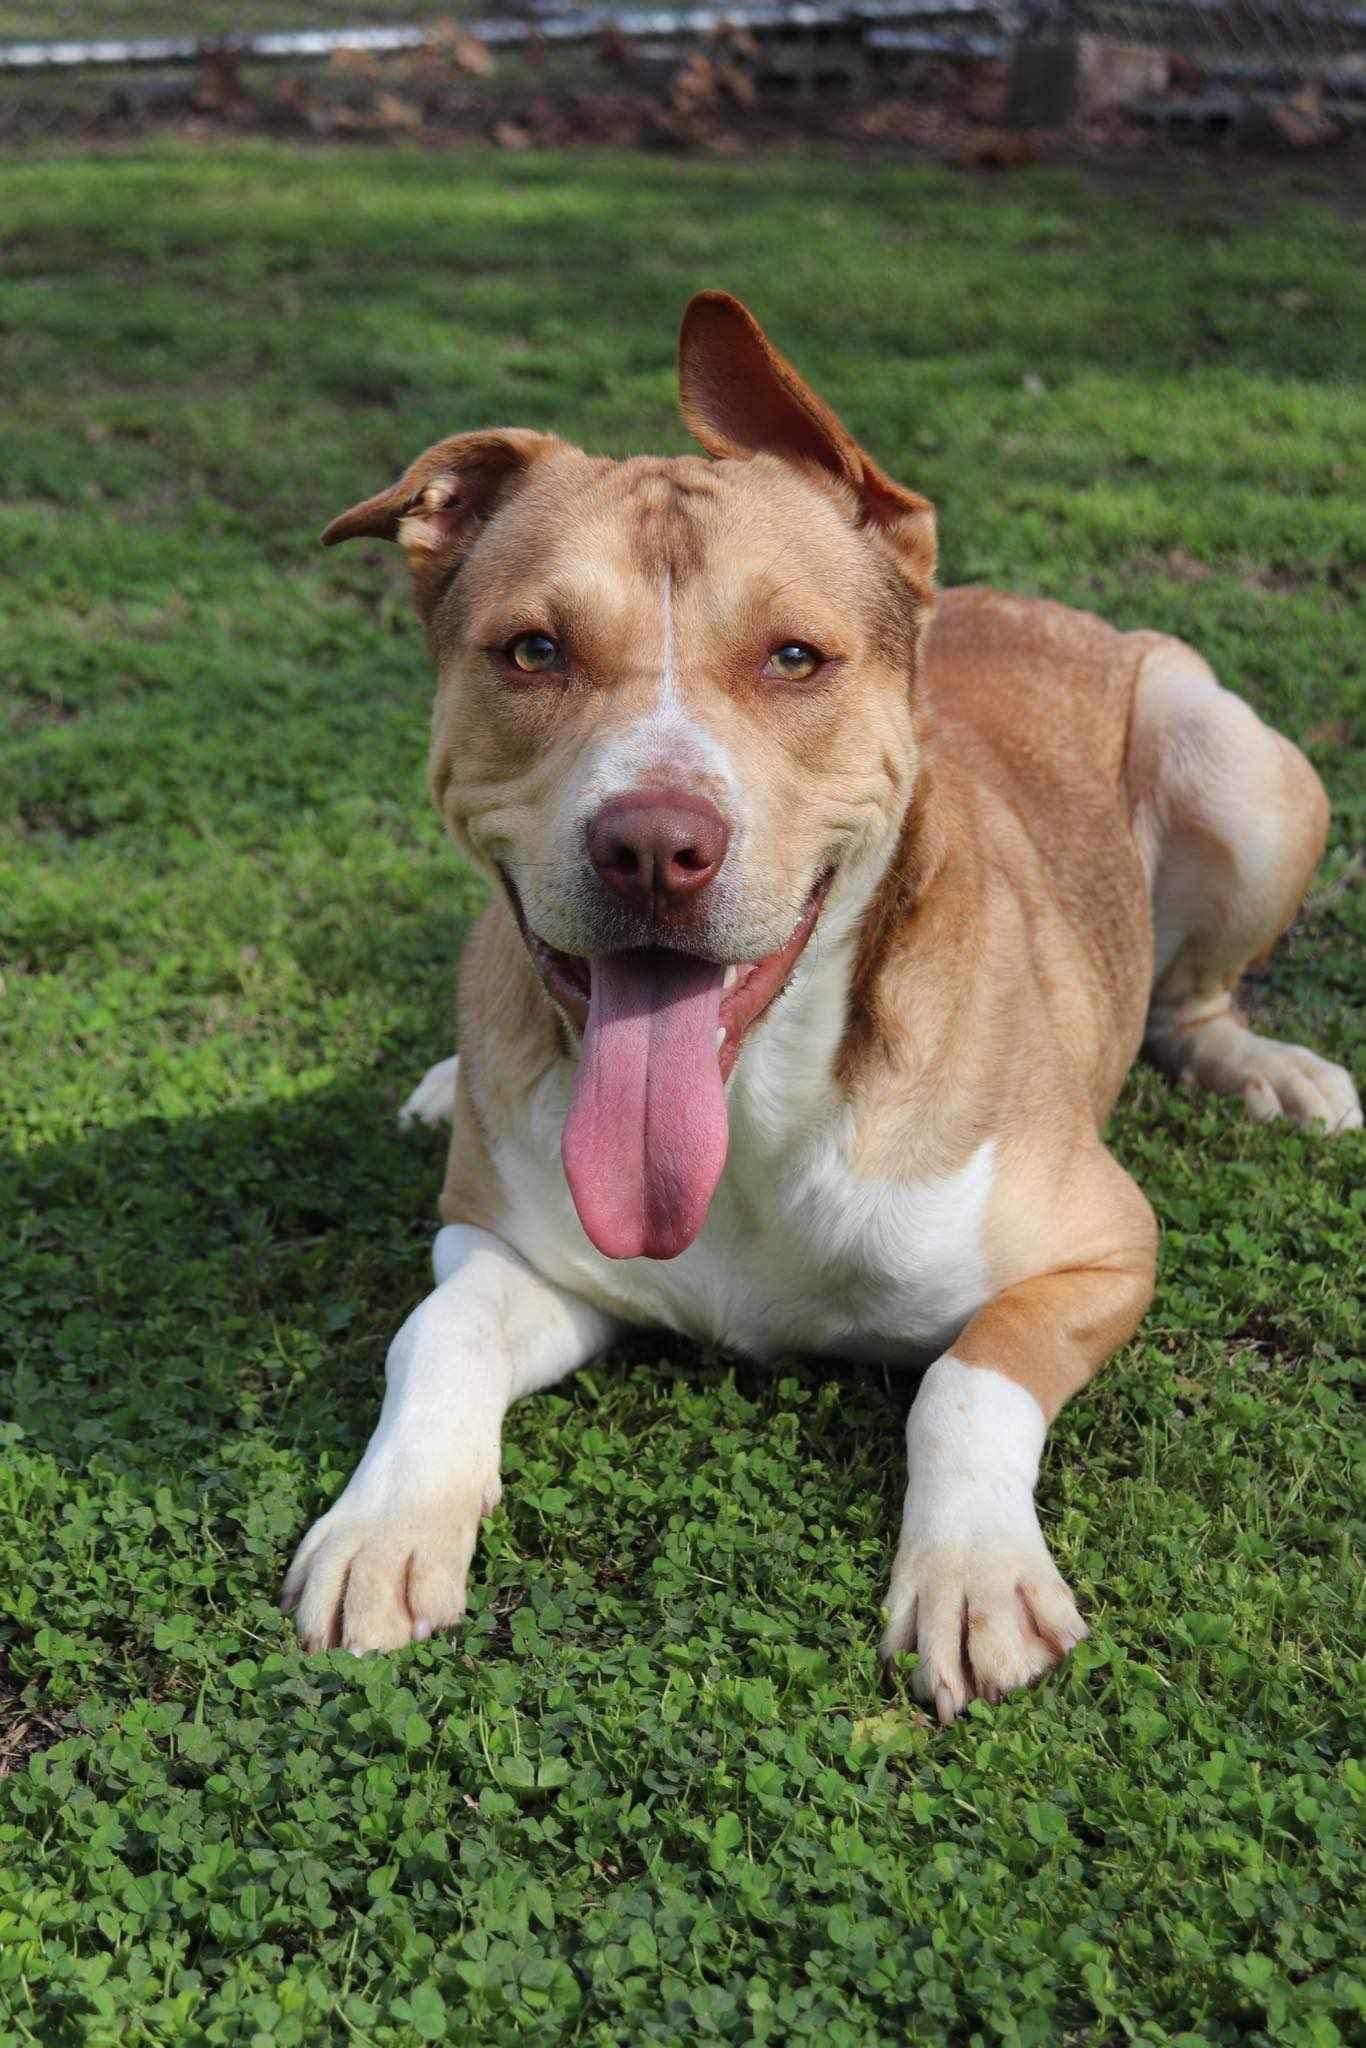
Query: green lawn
[654, 1792]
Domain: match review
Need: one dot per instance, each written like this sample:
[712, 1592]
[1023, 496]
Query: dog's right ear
[741, 398]
[440, 502]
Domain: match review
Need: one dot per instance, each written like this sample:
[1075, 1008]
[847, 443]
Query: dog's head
[675, 713]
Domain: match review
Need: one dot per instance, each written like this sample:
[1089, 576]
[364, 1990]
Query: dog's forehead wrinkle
[693, 517]
[735, 540]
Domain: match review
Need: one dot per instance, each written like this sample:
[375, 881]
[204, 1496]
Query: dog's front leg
[974, 1590]
[388, 1564]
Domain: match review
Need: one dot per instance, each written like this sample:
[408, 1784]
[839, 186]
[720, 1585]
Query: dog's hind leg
[1231, 821]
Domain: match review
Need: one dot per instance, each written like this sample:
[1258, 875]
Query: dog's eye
[795, 661]
[533, 652]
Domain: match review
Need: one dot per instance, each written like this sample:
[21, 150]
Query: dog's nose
[658, 847]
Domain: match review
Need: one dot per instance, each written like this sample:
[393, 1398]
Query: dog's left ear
[441, 501]
[740, 398]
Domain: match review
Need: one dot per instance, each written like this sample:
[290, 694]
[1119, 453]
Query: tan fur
[1045, 837]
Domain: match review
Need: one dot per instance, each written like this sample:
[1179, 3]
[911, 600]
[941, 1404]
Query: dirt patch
[24, 1732]
[37, 817]
[1331, 582]
[1262, 1334]
[1179, 566]
[1346, 578]
[29, 713]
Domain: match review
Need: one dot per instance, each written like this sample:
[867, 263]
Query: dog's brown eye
[796, 661]
[533, 652]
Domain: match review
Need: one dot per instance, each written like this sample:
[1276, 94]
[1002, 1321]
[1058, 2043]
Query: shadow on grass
[161, 1264]
[176, 1283]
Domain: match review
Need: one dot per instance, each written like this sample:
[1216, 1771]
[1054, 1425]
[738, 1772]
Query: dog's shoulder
[1037, 902]
[1049, 686]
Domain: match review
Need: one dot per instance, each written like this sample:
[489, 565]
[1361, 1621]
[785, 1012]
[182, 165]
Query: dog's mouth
[747, 989]
[645, 1138]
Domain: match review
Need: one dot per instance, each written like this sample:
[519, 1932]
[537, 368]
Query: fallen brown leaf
[1334, 732]
[468, 54]
[999, 149]
[392, 112]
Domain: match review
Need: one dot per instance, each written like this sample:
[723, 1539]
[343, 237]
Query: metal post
[1043, 69]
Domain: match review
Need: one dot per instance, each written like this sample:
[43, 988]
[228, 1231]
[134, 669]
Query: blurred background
[993, 82]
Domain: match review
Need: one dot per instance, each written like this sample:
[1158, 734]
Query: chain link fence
[1222, 62]
[980, 77]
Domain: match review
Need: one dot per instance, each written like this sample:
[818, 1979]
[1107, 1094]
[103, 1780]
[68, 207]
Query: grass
[121, 19]
[654, 1791]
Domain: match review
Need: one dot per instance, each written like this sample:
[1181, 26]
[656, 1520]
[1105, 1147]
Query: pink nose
[658, 847]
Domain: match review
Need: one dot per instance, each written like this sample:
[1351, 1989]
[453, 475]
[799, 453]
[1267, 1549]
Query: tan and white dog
[829, 919]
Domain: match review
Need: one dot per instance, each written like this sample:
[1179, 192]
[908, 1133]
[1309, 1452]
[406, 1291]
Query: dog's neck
[931, 863]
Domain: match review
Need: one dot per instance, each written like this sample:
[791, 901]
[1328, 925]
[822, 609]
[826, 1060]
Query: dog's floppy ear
[740, 398]
[440, 502]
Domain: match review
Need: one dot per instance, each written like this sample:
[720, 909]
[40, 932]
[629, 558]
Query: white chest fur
[798, 1252]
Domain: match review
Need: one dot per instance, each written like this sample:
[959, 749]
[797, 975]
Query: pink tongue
[645, 1138]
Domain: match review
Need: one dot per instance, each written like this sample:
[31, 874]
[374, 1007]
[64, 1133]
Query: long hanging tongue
[646, 1134]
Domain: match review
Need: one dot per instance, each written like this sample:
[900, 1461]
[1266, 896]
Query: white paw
[433, 1099]
[373, 1576]
[974, 1591]
[985, 1615]
[1289, 1080]
[1222, 1054]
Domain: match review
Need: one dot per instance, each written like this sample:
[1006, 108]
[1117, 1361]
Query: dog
[828, 916]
